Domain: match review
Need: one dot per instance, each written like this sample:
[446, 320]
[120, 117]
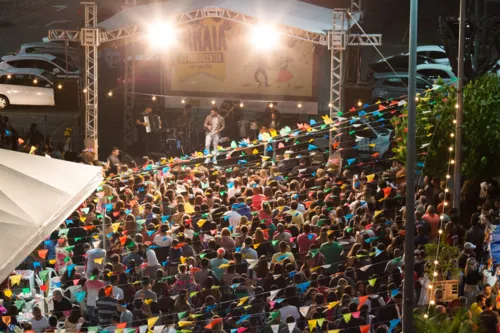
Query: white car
[26, 86]
[435, 71]
[55, 49]
[435, 52]
[46, 62]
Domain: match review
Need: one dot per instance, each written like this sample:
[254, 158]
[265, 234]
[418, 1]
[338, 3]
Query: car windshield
[61, 63]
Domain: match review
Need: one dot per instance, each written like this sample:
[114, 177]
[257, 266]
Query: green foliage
[447, 259]
[435, 115]
[459, 323]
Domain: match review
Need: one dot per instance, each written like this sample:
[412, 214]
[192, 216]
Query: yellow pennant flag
[372, 145]
[313, 269]
[377, 213]
[273, 133]
[255, 151]
[15, 279]
[243, 300]
[98, 260]
[148, 301]
[183, 260]
[334, 331]
[347, 317]
[185, 323]
[255, 246]
[215, 173]
[152, 321]
[327, 120]
[201, 223]
[372, 282]
[312, 324]
[223, 266]
[52, 261]
[119, 330]
[115, 226]
[7, 293]
[331, 305]
[370, 177]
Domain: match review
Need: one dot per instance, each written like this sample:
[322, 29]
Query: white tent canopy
[292, 13]
[36, 195]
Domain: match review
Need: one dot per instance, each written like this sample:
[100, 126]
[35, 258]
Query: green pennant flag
[347, 317]
[131, 244]
[196, 315]
[19, 304]
[26, 290]
[69, 248]
[203, 255]
[372, 282]
[193, 293]
[67, 259]
[275, 314]
[63, 232]
[314, 252]
[182, 314]
[78, 239]
[93, 329]
[320, 322]
[275, 242]
[43, 275]
[340, 113]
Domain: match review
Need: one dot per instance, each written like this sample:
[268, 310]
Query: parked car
[75, 44]
[56, 49]
[398, 63]
[26, 86]
[435, 71]
[435, 52]
[45, 62]
[391, 85]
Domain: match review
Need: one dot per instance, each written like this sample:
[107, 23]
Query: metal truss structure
[90, 41]
[128, 94]
[338, 40]
[90, 36]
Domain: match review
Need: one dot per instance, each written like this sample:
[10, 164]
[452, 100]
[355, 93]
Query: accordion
[154, 123]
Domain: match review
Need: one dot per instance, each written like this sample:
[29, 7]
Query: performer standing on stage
[214, 124]
[142, 125]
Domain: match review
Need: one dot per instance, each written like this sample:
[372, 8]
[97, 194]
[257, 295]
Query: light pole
[409, 284]
[457, 173]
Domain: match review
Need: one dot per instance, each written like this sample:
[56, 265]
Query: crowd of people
[171, 247]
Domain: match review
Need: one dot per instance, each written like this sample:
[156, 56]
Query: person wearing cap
[217, 262]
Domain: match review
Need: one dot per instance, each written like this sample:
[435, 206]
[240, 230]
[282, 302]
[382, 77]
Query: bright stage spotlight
[264, 36]
[162, 34]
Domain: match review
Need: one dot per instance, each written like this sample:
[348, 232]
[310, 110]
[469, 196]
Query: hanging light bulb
[448, 176]
[9, 76]
[35, 81]
[440, 231]
[59, 86]
[271, 105]
[330, 105]
[429, 286]
[416, 99]
[426, 316]
[183, 101]
[110, 94]
[454, 121]
[84, 90]
[213, 102]
[457, 106]
[360, 103]
[452, 135]
[450, 149]
[446, 190]
[242, 105]
[299, 105]
[432, 302]
[436, 262]
[452, 161]
[153, 98]
[435, 273]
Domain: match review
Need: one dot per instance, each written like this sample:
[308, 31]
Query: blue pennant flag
[80, 296]
[36, 264]
[242, 161]
[127, 212]
[165, 218]
[393, 323]
[311, 147]
[7, 132]
[351, 161]
[362, 113]
[394, 292]
[269, 148]
[302, 287]
[348, 216]
[166, 169]
[378, 252]
[151, 232]
[312, 122]
[70, 269]
[242, 319]
[109, 207]
[230, 185]
[164, 263]
[292, 274]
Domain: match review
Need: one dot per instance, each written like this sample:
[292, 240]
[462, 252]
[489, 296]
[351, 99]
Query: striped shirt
[106, 308]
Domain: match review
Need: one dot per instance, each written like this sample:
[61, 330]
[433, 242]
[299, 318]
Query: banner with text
[216, 57]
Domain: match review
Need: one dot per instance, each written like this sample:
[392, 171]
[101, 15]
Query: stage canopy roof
[36, 195]
[292, 13]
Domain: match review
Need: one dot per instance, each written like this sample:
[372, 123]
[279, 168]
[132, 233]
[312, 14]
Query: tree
[459, 323]
[482, 35]
[481, 129]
